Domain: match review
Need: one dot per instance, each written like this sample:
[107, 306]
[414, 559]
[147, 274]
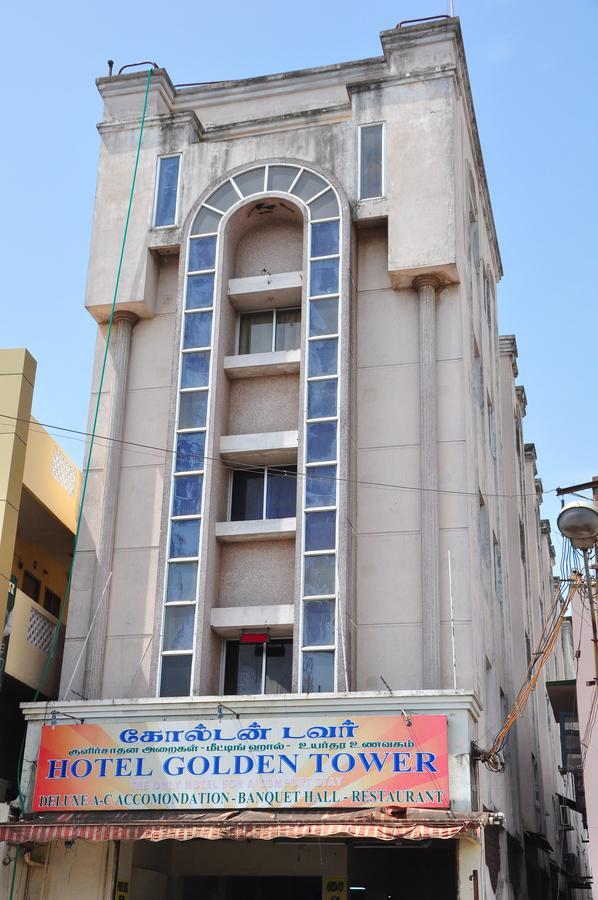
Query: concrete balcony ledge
[264, 448]
[266, 291]
[230, 621]
[256, 530]
[252, 365]
[31, 638]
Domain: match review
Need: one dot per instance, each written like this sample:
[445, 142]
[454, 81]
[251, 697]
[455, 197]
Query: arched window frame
[216, 208]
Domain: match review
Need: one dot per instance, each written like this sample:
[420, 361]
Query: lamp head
[578, 521]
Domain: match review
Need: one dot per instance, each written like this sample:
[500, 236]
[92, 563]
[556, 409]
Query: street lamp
[578, 521]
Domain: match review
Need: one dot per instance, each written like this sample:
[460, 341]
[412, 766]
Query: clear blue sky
[532, 68]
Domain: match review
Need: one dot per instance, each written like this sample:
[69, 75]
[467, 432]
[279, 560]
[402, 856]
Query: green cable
[62, 610]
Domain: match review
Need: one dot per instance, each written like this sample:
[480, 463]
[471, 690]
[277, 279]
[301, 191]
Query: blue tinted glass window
[223, 197]
[176, 676]
[200, 291]
[318, 623]
[320, 530]
[198, 330]
[184, 537]
[281, 497]
[324, 207]
[187, 495]
[190, 450]
[370, 176]
[202, 253]
[280, 178]
[320, 486]
[251, 182]
[321, 399]
[308, 185]
[168, 179]
[182, 581]
[321, 441]
[206, 221]
[178, 628]
[247, 501]
[324, 239]
[193, 407]
[324, 276]
[319, 575]
[323, 357]
[318, 672]
[196, 369]
[323, 317]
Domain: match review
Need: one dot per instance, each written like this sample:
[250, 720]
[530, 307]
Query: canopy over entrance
[389, 824]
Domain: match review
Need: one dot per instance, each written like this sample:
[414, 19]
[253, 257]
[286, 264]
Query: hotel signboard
[279, 762]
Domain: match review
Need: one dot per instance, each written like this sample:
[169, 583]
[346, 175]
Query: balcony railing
[31, 637]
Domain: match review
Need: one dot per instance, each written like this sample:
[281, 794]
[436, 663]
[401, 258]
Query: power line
[252, 467]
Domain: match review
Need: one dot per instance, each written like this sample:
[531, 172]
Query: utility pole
[578, 521]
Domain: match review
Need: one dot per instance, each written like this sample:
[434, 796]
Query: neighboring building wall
[17, 376]
[586, 696]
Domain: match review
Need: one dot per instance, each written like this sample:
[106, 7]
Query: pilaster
[120, 345]
[427, 287]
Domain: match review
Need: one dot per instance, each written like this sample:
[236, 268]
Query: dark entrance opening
[426, 870]
[252, 888]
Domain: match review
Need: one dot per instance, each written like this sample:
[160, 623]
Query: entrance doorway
[252, 888]
[426, 870]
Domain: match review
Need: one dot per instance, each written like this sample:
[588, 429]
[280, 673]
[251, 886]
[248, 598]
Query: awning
[376, 824]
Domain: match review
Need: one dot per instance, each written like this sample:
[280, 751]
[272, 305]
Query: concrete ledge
[252, 365]
[266, 291]
[230, 620]
[267, 447]
[256, 530]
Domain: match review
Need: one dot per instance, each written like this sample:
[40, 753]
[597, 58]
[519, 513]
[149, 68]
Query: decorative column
[120, 344]
[426, 287]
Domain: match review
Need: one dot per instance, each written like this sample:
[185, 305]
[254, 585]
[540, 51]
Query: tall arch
[322, 655]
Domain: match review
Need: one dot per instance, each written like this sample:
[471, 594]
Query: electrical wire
[545, 645]
[92, 435]
[140, 447]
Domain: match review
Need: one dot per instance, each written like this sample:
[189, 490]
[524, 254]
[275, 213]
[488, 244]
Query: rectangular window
[269, 493]
[31, 586]
[265, 332]
[167, 184]
[52, 602]
[371, 161]
[264, 668]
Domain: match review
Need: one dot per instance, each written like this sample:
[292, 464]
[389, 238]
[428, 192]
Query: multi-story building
[39, 502]
[312, 568]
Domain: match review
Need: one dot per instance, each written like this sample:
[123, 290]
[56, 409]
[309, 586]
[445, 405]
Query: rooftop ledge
[250, 705]
[256, 530]
[252, 365]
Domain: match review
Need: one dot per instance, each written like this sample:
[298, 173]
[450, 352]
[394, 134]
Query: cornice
[133, 82]
[160, 708]
[340, 112]
[222, 92]
[508, 347]
[186, 119]
[521, 398]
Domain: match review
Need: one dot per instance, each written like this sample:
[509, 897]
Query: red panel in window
[254, 638]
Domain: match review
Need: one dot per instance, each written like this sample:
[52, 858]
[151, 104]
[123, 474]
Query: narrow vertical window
[371, 161]
[167, 184]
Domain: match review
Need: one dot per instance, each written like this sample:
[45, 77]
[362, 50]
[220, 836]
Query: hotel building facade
[312, 568]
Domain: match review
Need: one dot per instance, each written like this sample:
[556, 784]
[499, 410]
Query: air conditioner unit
[565, 818]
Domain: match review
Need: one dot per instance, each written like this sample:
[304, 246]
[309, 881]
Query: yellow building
[39, 497]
